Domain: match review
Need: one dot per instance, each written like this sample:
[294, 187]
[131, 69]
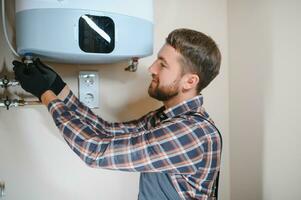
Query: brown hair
[200, 54]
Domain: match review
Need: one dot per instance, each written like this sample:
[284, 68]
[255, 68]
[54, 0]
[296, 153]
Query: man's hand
[37, 78]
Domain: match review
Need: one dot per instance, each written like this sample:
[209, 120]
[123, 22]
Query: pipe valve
[5, 82]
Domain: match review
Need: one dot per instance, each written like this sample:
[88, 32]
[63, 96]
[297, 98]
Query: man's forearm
[47, 97]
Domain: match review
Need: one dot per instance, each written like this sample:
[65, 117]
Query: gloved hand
[57, 84]
[36, 78]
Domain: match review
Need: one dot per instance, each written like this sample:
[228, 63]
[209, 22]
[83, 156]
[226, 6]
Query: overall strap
[215, 187]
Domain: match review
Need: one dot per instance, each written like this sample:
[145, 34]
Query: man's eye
[162, 65]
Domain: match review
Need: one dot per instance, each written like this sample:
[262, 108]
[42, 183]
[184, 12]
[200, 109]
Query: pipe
[5, 30]
[8, 103]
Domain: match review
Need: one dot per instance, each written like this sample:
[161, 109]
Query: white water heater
[84, 31]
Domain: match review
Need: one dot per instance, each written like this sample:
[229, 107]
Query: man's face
[166, 73]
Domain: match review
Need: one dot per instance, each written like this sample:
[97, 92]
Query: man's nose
[151, 69]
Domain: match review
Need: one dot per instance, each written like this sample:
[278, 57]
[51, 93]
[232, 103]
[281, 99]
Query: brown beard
[164, 93]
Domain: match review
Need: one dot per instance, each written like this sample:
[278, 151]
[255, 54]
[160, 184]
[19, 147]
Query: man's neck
[177, 100]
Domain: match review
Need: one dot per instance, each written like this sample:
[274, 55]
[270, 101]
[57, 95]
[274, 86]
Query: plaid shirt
[177, 141]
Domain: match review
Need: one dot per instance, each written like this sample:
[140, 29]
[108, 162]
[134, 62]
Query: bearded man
[177, 148]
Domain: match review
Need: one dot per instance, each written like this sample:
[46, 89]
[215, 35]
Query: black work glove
[57, 83]
[36, 78]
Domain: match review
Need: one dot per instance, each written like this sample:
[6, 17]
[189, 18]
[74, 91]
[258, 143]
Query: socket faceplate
[89, 88]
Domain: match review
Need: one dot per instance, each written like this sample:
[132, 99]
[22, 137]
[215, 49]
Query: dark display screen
[96, 34]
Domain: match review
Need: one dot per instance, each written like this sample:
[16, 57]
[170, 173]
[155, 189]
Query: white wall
[265, 46]
[37, 164]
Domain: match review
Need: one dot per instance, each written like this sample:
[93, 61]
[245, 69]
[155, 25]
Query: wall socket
[89, 88]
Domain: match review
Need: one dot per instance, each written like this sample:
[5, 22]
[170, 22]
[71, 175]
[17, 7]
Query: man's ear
[190, 81]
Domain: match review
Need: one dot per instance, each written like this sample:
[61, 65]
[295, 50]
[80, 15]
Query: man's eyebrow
[163, 59]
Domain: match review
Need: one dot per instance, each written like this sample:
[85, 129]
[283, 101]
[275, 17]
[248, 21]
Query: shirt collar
[181, 108]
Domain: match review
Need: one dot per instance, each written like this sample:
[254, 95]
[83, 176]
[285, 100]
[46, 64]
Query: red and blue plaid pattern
[176, 141]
